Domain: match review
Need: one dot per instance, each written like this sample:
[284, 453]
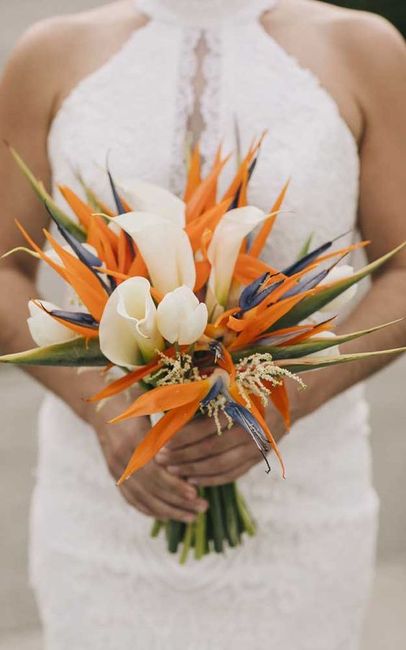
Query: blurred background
[20, 398]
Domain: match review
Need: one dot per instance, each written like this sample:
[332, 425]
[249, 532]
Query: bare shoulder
[53, 54]
[372, 48]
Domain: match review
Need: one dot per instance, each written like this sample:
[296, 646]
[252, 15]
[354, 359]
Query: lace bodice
[209, 65]
[249, 84]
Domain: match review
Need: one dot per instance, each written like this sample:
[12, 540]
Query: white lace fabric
[302, 582]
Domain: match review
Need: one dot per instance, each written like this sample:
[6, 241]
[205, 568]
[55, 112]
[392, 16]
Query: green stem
[248, 523]
[187, 542]
[200, 530]
[175, 531]
[156, 528]
[231, 513]
[216, 514]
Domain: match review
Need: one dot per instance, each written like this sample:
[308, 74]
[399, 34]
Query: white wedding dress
[302, 583]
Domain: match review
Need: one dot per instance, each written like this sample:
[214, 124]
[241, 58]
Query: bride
[136, 79]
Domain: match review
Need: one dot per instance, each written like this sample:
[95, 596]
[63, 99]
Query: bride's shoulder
[366, 49]
[57, 52]
[363, 35]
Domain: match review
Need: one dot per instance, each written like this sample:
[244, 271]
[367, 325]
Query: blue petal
[85, 256]
[242, 416]
[116, 196]
[213, 392]
[308, 259]
[76, 317]
[305, 285]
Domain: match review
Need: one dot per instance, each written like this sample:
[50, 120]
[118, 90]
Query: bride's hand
[199, 454]
[153, 490]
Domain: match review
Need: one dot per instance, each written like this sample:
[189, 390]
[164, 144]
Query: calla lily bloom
[44, 329]
[223, 253]
[148, 197]
[128, 330]
[181, 317]
[165, 248]
[340, 272]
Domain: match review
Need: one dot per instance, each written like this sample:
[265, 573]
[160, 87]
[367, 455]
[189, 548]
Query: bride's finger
[220, 464]
[223, 479]
[196, 430]
[206, 448]
[177, 492]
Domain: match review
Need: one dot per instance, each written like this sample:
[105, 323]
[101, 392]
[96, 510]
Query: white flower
[44, 329]
[128, 330]
[339, 273]
[181, 317]
[165, 248]
[223, 253]
[148, 197]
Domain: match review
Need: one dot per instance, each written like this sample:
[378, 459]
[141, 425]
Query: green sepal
[316, 344]
[59, 215]
[324, 362]
[312, 304]
[79, 352]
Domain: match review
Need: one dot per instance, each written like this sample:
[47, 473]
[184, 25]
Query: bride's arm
[28, 90]
[376, 56]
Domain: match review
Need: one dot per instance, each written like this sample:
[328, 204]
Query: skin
[361, 60]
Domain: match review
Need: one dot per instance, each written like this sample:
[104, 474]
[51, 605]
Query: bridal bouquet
[173, 293]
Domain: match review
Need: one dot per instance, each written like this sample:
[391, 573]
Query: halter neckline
[204, 13]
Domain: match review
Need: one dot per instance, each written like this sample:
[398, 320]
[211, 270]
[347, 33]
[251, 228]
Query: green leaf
[316, 344]
[59, 215]
[77, 352]
[306, 247]
[304, 365]
[312, 304]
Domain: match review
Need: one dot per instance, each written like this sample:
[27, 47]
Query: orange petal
[208, 220]
[280, 400]
[194, 176]
[165, 398]
[123, 383]
[81, 209]
[260, 240]
[263, 321]
[56, 267]
[83, 281]
[158, 436]
[203, 194]
[248, 268]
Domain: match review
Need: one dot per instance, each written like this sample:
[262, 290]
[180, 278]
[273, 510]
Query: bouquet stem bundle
[223, 525]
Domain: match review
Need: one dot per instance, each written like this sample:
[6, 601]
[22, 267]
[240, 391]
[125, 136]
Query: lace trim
[184, 106]
[210, 100]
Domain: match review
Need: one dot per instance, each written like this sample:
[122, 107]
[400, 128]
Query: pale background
[385, 629]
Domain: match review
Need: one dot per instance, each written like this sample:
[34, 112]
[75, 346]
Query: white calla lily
[339, 273]
[223, 253]
[181, 317]
[44, 329]
[148, 197]
[128, 330]
[165, 248]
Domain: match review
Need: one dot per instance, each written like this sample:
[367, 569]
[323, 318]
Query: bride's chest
[137, 108]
